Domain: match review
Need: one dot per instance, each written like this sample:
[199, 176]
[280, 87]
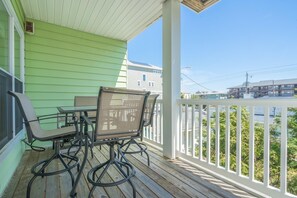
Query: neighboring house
[212, 95]
[142, 76]
[268, 88]
[186, 95]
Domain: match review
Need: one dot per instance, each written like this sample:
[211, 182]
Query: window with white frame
[144, 77]
[138, 83]
[18, 83]
[11, 75]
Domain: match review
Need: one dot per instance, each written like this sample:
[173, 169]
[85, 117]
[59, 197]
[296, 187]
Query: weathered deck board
[200, 177]
[190, 187]
[21, 189]
[164, 178]
[174, 180]
[40, 183]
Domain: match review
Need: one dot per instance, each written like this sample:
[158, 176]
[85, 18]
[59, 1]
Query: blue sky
[221, 44]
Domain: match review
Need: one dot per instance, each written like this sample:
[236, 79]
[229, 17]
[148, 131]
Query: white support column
[171, 74]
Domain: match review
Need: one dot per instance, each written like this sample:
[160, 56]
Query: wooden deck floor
[164, 178]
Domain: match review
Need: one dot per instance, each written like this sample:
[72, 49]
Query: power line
[196, 82]
[255, 71]
[269, 68]
[274, 69]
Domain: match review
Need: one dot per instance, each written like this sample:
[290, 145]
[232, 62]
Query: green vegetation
[259, 146]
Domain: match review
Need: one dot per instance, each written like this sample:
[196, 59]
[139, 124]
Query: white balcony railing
[244, 141]
[153, 134]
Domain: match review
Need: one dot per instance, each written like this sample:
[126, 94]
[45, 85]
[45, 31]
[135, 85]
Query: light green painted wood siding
[4, 38]
[61, 63]
[9, 165]
[18, 10]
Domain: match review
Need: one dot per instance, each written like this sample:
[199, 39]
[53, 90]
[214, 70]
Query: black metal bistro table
[70, 110]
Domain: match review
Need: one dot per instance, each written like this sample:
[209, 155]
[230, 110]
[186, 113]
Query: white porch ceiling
[118, 19]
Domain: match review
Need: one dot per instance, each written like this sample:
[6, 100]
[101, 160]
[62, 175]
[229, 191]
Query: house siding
[61, 63]
[18, 10]
[10, 162]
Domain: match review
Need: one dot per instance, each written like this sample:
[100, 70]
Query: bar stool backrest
[149, 109]
[120, 113]
[27, 110]
[86, 101]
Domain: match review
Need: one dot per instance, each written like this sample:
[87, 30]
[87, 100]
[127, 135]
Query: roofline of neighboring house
[143, 65]
[267, 83]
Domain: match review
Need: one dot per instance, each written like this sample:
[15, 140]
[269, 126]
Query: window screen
[18, 115]
[5, 109]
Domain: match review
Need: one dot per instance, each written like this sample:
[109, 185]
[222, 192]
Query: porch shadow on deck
[164, 178]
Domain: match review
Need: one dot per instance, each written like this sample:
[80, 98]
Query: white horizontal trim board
[243, 102]
[154, 143]
[6, 150]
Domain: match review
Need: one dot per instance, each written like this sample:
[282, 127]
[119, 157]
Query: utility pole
[246, 82]
[273, 89]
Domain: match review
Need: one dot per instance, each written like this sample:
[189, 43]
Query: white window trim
[14, 23]
[5, 151]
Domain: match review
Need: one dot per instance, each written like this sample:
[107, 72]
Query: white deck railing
[153, 134]
[208, 125]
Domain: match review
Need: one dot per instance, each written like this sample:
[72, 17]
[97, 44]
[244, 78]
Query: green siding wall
[61, 63]
[18, 10]
[9, 165]
[4, 38]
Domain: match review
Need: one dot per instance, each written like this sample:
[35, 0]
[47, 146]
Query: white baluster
[284, 131]
[227, 148]
[217, 136]
[208, 145]
[238, 141]
[266, 146]
[186, 130]
[200, 132]
[193, 130]
[252, 144]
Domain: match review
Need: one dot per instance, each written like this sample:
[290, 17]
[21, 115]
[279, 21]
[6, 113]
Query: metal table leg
[73, 192]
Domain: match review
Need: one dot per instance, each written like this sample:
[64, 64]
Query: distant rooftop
[142, 65]
[268, 83]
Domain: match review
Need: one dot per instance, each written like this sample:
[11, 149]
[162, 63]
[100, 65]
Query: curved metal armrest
[43, 117]
[50, 116]
[87, 120]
